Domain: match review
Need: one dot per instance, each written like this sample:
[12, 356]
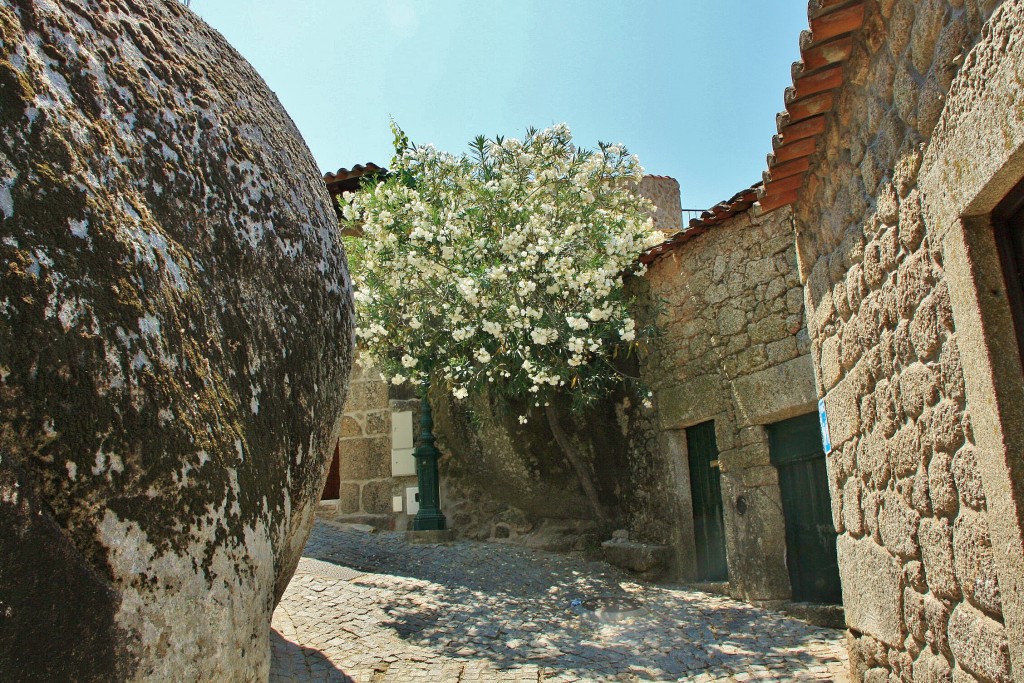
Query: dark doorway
[706, 490]
[332, 487]
[795, 448]
[1008, 221]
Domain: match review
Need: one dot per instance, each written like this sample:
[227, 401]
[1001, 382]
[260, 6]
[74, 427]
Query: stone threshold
[712, 587]
[818, 614]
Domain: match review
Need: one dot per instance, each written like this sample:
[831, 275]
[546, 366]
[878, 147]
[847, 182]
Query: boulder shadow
[292, 662]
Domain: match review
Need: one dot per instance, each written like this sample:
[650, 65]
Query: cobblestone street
[368, 607]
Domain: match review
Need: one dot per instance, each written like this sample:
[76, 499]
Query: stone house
[734, 395]
[901, 157]
[899, 167]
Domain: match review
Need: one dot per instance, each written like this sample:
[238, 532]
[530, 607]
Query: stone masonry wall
[921, 590]
[505, 481]
[664, 192]
[364, 450]
[735, 351]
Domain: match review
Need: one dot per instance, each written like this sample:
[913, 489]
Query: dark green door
[706, 489]
[795, 447]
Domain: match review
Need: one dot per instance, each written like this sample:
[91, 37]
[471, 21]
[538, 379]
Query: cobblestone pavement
[370, 608]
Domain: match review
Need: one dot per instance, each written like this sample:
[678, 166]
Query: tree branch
[572, 454]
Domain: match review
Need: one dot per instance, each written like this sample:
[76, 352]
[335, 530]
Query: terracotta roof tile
[811, 106]
[824, 80]
[833, 52]
[807, 128]
[777, 199]
[842, 21]
[347, 180]
[787, 169]
[824, 50]
[793, 182]
[723, 211]
[794, 150]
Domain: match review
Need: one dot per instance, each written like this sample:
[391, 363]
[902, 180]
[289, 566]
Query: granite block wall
[736, 351]
[664, 193]
[364, 454]
[900, 333]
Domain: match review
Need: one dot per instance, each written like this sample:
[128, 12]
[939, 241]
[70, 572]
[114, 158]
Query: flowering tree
[502, 269]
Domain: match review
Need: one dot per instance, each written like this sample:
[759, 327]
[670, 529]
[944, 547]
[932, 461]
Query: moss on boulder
[175, 341]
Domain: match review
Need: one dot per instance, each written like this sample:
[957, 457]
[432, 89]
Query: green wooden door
[795, 447]
[706, 490]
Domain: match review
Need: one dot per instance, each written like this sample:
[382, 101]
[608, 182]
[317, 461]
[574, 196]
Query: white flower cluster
[500, 267]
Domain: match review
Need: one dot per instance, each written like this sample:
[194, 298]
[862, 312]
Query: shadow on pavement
[670, 643]
[292, 662]
[471, 564]
[512, 607]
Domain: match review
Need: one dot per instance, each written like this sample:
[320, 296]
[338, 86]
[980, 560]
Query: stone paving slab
[329, 570]
[370, 608]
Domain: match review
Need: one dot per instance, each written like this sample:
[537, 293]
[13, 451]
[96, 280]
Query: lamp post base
[429, 519]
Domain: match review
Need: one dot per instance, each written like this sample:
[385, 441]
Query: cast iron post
[429, 516]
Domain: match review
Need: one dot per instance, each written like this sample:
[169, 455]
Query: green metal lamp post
[429, 517]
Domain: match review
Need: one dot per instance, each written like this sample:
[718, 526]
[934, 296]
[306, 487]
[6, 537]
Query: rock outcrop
[175, 341]
[504, 480]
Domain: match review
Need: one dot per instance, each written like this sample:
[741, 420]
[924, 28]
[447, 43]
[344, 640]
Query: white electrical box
[412, 506]
[396, 503]
[401, 430]
[403, 464]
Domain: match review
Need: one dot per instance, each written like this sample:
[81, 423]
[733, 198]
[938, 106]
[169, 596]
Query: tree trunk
[577, 462]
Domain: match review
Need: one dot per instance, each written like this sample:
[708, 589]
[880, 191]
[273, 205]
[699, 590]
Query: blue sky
[690, 86]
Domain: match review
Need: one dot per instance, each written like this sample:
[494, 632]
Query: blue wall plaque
[826, 441]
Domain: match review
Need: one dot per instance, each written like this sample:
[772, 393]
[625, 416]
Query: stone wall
[664, 192]
[504, 481]
[500, 480]
[735, 351]
[364, 456]
[907, 318]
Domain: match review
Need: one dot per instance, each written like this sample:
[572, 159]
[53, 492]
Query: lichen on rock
[175, 340]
